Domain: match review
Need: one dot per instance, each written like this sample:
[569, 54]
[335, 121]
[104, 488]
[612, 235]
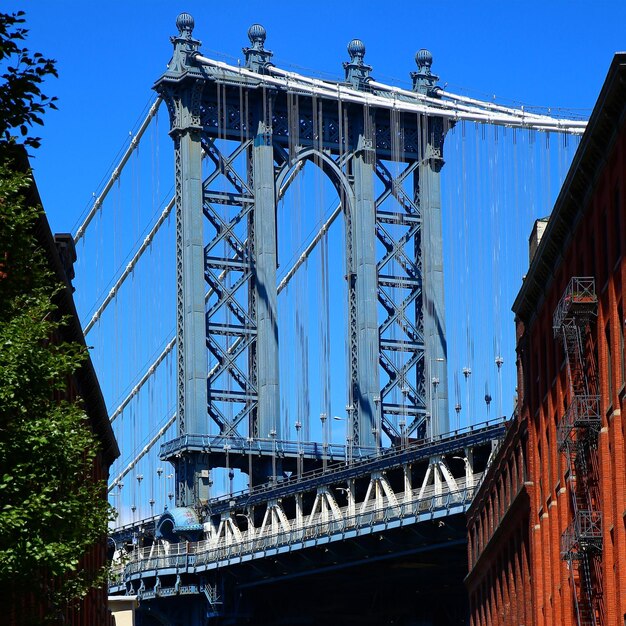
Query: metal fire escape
[581, 543]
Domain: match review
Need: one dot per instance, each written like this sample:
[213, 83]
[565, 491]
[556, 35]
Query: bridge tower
[395, 492]
[238, 142]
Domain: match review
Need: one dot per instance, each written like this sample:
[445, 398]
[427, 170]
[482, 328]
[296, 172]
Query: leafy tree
[22, 102]
[51, 511]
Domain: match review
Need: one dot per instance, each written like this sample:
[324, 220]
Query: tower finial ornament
[424, 81]
[356, 50]
[424, 60]
[185, 46]
[185, 24]
[357, 72]
[257, 57]
[257, 35]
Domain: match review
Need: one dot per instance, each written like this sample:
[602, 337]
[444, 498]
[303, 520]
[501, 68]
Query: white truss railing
[325, 525]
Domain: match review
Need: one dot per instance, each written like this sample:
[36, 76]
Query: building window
[620, 329]
[609, 364]
[617, 222]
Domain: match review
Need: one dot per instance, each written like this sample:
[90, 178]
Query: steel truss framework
[401, 489]
[226, 238]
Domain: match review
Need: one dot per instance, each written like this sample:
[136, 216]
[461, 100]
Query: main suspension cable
[118, 170]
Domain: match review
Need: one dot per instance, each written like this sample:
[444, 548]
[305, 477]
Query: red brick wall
[597, 250]
[498, 538]
[524, 564]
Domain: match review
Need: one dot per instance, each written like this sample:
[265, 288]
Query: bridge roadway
[323, 525]
[337, 470]
[404, 500]
[385, 459]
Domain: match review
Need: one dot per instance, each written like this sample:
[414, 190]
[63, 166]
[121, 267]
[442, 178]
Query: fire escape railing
[577, 434]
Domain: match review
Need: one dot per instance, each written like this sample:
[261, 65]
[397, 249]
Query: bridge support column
[299, 512]
[190, 309]
[268, 417]
[192, 370]
[367, 392]
[351, 495]
[181, 88]
[428, 188]
[408, 486]
[192, 401]
[469, 468]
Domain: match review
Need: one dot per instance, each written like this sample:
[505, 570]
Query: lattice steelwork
[231, 324]
[253, 138]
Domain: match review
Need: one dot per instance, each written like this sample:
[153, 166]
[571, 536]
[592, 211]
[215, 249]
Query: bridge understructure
[368, 531]
[363, 525]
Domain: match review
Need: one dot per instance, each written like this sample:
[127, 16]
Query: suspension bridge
[271, 334]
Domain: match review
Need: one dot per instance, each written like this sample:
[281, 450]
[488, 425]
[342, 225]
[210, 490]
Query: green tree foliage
[22, 102]
[51, 511]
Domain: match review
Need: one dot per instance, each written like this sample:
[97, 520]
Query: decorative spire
[424, 81]
[357, 72]
[185, 46]
[257, 57]
[356, 50]
[185, 24]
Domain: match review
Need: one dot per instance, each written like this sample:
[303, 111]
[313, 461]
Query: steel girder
[230, 320]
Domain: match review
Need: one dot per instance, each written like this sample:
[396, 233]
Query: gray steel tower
[242, 124]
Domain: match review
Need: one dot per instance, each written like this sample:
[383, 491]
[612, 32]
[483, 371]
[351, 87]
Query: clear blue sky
[553, 53]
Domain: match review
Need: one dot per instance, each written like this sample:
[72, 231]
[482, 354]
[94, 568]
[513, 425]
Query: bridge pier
[192, 371]
[428, 190]
[266, 423]
[367, 388]
[435, 346]
[266, 298]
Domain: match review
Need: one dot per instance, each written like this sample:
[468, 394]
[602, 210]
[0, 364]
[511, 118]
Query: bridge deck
[383, 461]
[398, 488]
[375, 517]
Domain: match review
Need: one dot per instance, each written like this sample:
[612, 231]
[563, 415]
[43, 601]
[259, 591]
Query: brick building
[60, 255]
[546, 531]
